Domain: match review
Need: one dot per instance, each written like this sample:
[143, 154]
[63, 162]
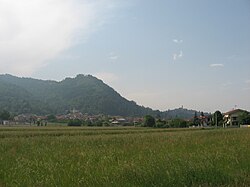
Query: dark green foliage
[98, 123]
[181, 113]
[84, 93]
[244, 118]
[217, 118]
[195, 119]
[149, 121]
[161, 123]
[177, 123]
[38, 123]
[4, 115]
[75, 122]
[51, 118]
[87, 123]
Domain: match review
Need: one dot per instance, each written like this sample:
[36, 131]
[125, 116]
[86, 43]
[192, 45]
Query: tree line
[215, 119]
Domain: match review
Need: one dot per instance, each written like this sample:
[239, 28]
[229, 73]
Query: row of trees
[243, 118]
[89, 123]
[150, 121]
[215, 119]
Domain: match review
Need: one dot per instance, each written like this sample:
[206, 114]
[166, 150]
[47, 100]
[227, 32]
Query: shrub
[149, 121]
[75, 122]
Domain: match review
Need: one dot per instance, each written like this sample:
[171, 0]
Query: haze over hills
[85, 93]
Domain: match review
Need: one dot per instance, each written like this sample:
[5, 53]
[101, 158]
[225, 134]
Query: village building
[119, 121]
[231, 118]
[205, 121]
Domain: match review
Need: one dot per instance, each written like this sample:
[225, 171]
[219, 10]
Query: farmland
[66, 156]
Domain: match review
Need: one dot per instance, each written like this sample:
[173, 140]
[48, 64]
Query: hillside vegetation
[84, 93]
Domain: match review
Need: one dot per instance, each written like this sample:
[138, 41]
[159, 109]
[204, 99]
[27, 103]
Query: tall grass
[124, 157]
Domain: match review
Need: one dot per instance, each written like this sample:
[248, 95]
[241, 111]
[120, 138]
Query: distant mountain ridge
[85, 93]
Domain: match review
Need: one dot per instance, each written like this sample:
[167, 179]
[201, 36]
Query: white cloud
[112, 56]
[35, 31]
[180, 54]
[177, 41]
[247, 81]
[177, 56]
[216, 65]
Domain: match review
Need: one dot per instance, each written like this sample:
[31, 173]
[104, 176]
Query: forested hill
[182, 113]
[84, 93]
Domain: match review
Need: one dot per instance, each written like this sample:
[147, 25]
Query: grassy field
[66, 156]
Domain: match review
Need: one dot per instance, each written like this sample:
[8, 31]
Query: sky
[162, 54]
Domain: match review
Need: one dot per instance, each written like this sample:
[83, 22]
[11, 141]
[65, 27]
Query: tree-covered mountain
[181, 113]
[84, 93]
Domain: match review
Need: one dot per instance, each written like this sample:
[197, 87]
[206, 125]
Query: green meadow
[66, 156]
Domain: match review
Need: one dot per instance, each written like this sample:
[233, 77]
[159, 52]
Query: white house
[231, 118]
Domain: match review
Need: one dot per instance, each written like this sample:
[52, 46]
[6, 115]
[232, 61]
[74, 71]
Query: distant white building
[6, 122]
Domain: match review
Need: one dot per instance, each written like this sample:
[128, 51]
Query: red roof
[233, 111]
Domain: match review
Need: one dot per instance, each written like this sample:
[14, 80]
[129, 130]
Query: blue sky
[162, 53]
